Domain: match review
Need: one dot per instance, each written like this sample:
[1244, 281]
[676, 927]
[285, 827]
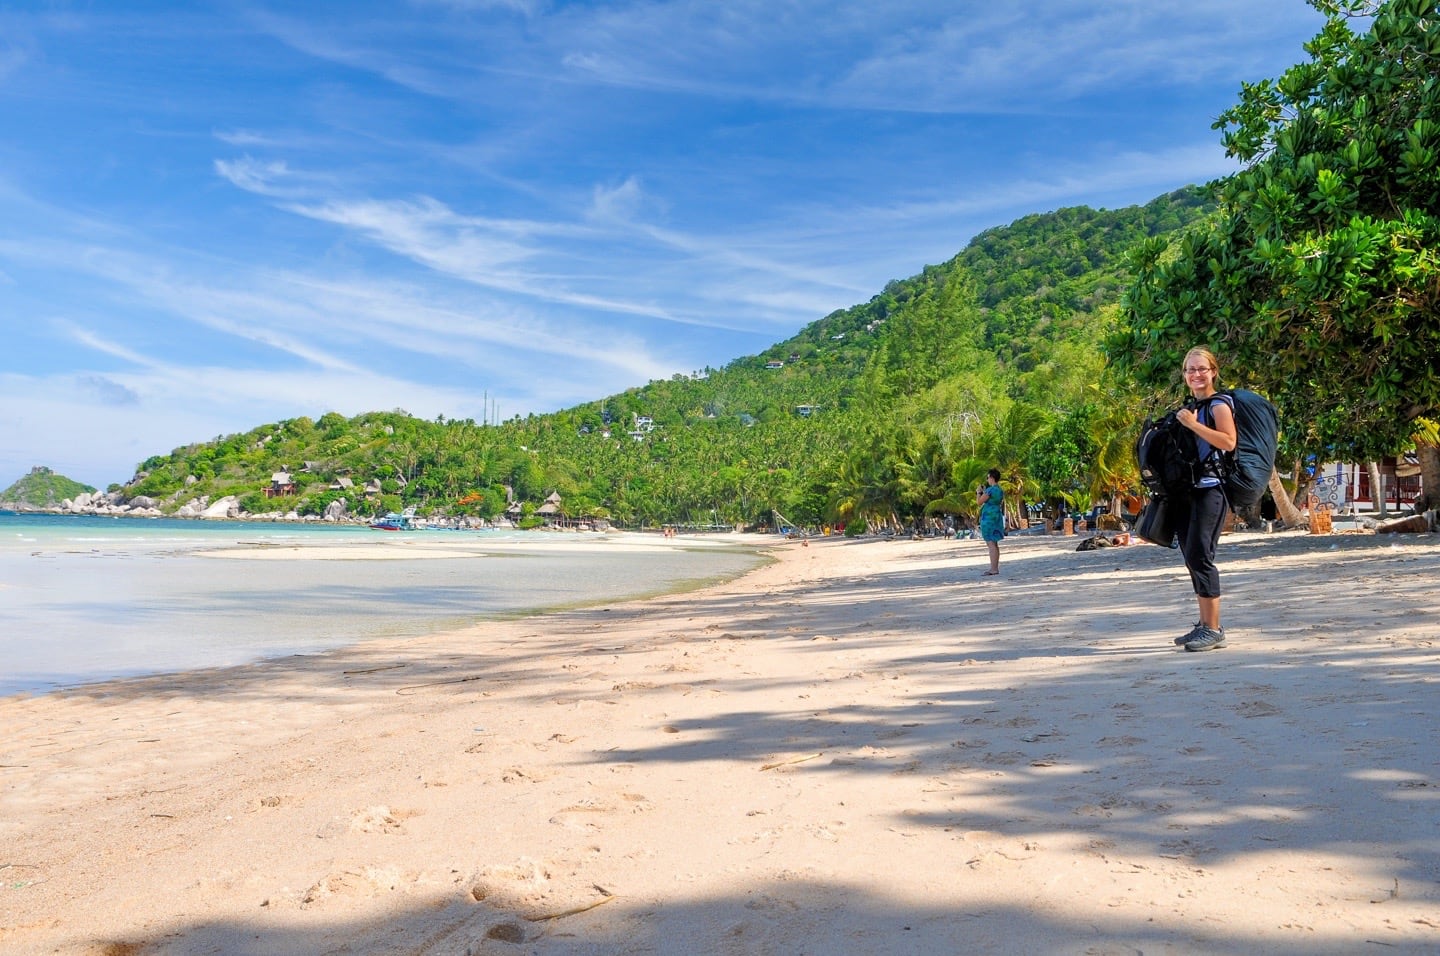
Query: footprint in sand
[380, 819]
[1004, 759]
[1256, 708]
[587, 814]
[362, 882]
[830, 832]
[534, 893]
[584, 816]
[519, 775]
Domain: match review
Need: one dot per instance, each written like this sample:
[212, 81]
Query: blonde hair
[1201, 352]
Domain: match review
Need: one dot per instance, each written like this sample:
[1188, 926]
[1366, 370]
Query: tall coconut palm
[922, 471]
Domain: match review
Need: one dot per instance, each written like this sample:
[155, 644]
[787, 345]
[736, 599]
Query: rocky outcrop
[114, 504]
[111, 504]
[227, 507]
[193, 508]
[41, 490]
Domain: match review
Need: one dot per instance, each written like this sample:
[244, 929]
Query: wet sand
[865, 747]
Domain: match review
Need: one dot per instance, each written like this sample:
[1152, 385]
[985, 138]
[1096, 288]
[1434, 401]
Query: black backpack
[1167, 455]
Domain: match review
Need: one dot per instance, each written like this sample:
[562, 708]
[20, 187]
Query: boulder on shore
[192, 508]
[227, 507]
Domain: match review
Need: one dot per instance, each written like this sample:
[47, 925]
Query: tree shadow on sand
[1128, 745]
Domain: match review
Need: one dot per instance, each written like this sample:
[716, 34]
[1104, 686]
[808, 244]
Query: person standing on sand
[992, 517]
[1201, 514]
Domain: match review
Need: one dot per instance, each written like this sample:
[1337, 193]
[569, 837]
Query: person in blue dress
[992, 517]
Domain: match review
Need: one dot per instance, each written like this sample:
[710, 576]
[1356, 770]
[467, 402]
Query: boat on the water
[395, 522]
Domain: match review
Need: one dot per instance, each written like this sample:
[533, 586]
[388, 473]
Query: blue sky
[218, 215]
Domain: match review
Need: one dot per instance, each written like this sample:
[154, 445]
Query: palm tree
[1007, 443]
[865, 486]
[1114, 471]
[966, 475]
[922, 471]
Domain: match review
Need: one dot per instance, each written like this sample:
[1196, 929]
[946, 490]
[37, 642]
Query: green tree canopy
[1318, 280]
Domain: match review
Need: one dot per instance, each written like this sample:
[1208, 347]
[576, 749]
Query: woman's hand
[1222, 436]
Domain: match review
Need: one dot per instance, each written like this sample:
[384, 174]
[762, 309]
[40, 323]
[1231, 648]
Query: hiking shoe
[1206, 639]
[1190, 634]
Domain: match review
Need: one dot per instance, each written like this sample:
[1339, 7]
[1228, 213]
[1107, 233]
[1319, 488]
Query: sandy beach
[864, 747]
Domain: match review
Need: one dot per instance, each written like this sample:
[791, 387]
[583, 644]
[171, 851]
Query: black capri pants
[1201, 517]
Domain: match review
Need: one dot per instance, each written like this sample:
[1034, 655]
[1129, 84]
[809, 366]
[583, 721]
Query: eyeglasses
[1197, 371]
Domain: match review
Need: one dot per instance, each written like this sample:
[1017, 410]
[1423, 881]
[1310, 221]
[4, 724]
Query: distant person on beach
[1200, 515]
[992, 517]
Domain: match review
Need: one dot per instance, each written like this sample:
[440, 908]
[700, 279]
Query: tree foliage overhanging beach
[1318, 278]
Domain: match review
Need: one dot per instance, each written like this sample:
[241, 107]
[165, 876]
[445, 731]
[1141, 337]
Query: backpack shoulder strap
[1205, 404]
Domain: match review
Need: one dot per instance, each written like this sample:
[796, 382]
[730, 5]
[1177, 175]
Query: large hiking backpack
[1246, 470]
[1167, 455]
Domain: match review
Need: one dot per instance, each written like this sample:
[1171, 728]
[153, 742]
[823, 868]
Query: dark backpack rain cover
[1257, 431]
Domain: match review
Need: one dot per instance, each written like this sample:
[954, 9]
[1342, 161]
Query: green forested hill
[883, 411]
[42, 488]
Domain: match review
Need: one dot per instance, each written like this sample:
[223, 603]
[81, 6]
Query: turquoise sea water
[84, 599]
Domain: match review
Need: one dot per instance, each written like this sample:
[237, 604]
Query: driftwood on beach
[1410, 523]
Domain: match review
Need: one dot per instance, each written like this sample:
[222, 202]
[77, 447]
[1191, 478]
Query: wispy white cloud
[90, 339]
[273, 179]
[920, 56]
[523, 257]
[346, 325]
[1038, 55]
[1098, 174]
[622, 203]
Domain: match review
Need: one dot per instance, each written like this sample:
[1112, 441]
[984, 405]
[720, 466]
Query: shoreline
[863, 746]
[89, 603]
[581, 526]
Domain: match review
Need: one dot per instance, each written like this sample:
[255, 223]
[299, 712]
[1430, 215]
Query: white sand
[439, 546]
[864, 748]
